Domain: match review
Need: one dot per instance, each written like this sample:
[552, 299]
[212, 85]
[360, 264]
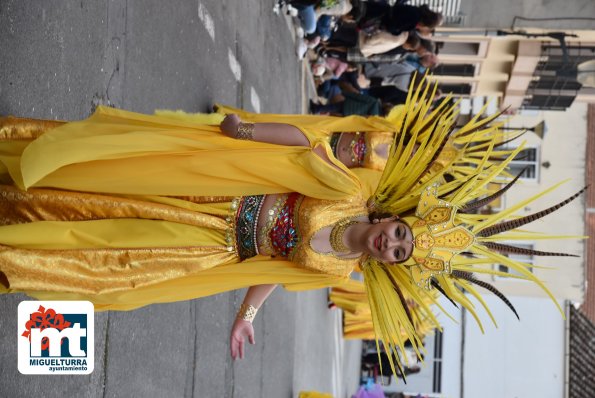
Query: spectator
[422, 63]
[381, 47]
[348, 102]
[399, 18]
[398, 74]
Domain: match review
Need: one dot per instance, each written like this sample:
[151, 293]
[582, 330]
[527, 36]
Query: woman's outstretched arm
[273, 133]
[242, 327]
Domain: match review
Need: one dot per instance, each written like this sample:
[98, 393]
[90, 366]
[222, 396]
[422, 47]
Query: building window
[574, 50]
[553, 83]
[552, 102]
[460, 89]
[524, 258]
[464, 70]
[457, 48]
[527, 161]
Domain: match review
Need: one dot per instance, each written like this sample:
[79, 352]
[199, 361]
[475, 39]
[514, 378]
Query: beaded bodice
[296, 220]
[284, 233]
[314, 215]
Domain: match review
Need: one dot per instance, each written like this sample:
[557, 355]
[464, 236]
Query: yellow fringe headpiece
[441, 235]
[437, 239]
[449, 245]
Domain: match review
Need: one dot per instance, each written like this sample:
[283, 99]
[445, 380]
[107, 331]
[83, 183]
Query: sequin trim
[266, 247]
[284, 235]
[358, 149]
[246, 223]
[334, 143]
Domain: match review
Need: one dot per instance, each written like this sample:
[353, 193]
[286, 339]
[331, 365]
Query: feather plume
[437, 286]
[502, 248]
[512, 224]
[485, 201]
[468, 276]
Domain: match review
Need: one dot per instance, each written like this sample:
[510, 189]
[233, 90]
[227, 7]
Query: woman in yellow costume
[111, 213]
[365, 150]
[352, 299]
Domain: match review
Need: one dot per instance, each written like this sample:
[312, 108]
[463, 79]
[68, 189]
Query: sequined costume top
[298, 220]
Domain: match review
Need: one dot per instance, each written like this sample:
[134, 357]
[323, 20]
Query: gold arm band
[247, 312]
[245, 131]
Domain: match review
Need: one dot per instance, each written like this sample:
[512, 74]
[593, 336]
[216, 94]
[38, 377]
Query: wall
[519, 359]
[500, 14]
[563, 147]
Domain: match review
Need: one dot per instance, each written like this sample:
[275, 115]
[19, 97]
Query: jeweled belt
[246, 223]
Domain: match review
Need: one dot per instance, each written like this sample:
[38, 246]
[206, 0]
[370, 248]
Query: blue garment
[307, 17]
[324, 27]
[329, 89]
[413, 60]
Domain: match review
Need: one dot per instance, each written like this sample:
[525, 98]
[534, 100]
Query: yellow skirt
[126, 252]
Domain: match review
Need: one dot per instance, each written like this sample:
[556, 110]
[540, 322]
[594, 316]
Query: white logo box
[77, 359]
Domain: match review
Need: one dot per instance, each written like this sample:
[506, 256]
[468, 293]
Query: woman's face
[389, 241]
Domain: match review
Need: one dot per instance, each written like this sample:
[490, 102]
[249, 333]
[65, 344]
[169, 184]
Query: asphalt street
[60, 58]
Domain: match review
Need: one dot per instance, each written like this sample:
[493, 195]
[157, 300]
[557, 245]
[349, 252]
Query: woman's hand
[240, 330]
[229, 125]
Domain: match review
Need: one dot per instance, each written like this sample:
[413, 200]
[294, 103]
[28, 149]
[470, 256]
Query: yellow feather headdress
[449, 244]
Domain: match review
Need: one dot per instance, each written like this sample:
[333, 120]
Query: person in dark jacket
[399, 18]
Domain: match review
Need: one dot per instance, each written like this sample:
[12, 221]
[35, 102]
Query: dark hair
[376, 215]
[386, 107]
[428, 45]
[413, 39]
[396, 395]
[426, 60]
[429, 18]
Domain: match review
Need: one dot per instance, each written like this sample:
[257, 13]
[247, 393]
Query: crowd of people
[364, 55]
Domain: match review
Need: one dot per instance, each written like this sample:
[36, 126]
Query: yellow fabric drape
[315, 125]
[323, 128]
[121, 152]
[351, 297]
[314, 394]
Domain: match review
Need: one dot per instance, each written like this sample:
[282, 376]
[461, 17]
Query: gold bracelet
[245, 131]
[247, 312]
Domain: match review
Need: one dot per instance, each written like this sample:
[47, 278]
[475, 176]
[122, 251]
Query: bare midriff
[344, 153]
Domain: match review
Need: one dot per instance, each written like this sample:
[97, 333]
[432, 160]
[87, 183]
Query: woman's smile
[378, 242]
[389, 241]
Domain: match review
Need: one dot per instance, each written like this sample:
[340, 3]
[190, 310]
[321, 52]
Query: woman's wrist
[247, 312]
[245, 131]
